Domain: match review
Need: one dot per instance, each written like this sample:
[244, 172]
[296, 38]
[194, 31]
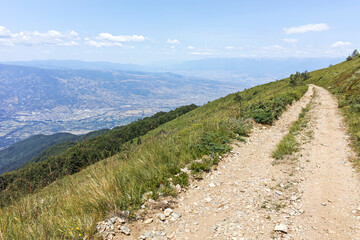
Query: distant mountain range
[46, 101]
[248, 71]
[76, 65]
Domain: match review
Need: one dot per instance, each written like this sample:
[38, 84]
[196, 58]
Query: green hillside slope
[38, 148]
[62, 147]
[17, 154]
[118, 182]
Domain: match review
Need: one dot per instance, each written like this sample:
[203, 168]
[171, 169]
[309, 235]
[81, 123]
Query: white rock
[167, 212]
[125, 230]
[212, 185]
[279, 192]
[178, 188]
[148, 221]
[176, 215]
[161, 216]
[281, 228]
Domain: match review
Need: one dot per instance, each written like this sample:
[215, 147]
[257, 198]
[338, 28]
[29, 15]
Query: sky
[154, 31]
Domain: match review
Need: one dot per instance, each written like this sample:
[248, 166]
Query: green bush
[203, 166]
[214, 144]
[182, 179]
[237, 126]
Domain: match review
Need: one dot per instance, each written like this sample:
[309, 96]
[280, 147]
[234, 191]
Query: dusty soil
[311, 195]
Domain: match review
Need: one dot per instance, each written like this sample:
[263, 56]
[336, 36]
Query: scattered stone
[148, 221]
[167, 212]
[324, 204]
[212, 185]
[147, 195]
[113, 220]
[281, 228]
[178, 188]
[176, 215]
[215, 227]
[279, 192]
[161, 216]
[125, 230]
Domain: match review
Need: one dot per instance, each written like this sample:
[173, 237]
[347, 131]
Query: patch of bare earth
[312, 195]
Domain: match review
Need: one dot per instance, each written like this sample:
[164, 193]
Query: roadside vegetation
[144, 163]
[289, 144]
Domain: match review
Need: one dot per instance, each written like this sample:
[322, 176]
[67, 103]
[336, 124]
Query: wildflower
[79, 234]
[77, 228]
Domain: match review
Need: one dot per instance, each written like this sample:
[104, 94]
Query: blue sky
[150, 31]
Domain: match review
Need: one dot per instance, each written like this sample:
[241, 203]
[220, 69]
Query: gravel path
[312, 195]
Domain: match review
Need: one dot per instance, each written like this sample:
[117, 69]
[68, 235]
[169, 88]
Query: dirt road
[311, 195]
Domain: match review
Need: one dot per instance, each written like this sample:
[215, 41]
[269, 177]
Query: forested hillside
[39, 147]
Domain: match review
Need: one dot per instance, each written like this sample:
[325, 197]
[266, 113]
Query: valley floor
[313, 194]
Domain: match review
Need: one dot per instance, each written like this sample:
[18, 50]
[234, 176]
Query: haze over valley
[47, 101]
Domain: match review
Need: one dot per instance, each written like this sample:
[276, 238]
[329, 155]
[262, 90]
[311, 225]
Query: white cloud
[233, 48]
[102, 43]
[173, 41]
[190, 47]
[201, 53]
[121, 38]
[74, 34]
[35, 38]
[109, 40]
[290, 40]
[4, 32]
[340, 44]
[274, 47]
[307, 28]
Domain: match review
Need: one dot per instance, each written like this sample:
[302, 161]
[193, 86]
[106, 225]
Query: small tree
[299, 78]
[239, 98]
[355, 53]
[305, 75]
[349, 58]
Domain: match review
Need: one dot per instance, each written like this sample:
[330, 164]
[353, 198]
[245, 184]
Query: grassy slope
[343, 80]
